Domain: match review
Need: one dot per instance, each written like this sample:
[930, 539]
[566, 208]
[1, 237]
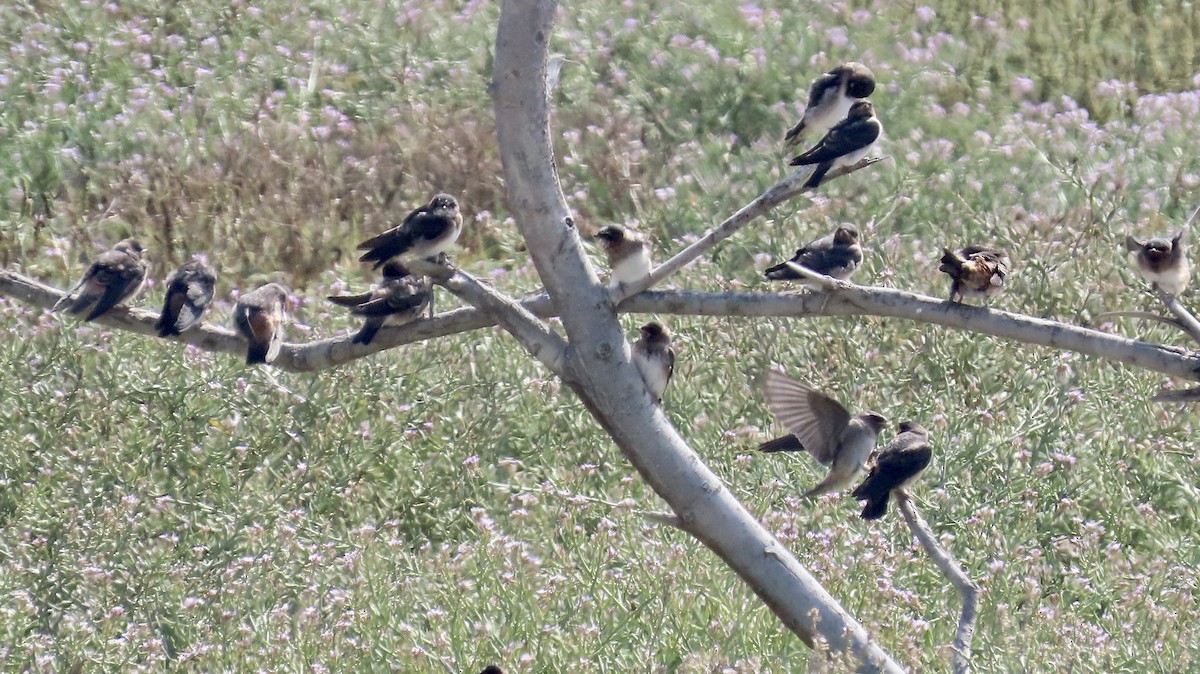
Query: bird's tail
[256, 353]
[788, 443]
[875, 507]
[367, 333]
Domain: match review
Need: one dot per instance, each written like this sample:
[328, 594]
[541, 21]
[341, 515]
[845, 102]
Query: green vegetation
[445, 505]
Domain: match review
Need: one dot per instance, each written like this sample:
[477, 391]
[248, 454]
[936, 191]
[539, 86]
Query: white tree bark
[598, 365]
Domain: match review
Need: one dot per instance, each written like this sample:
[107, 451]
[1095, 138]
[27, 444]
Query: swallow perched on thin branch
[846, 143]
[398, 300]
[896, 467]
[830, 98]
[975, 271]
[114, 277]
[824, 428]
[654, 358]
[837, 255]
[1163, 262]
[427, 231]
[259, 316]
[628, 253]
[189, 291]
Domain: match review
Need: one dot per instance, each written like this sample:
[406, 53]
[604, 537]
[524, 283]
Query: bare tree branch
[791, 186]
[537, 338]
[960, 656]
[1184, 318]
[846, 300]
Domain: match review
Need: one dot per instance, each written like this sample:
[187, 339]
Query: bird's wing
[813, 417]
[849, 135]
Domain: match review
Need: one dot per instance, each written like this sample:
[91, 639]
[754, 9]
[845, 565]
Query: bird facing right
[398, 300]
[426, 232]
[897, 466]
[838, 255]
[975, 271]
[830, 98]
[259, 316]
[1163, 262]
[847, 142]
[114, 277]
[823, 427]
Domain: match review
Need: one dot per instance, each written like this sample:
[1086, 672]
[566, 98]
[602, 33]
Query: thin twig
[533, 334]
[1187, 321]
[791, 186]
[1144, 315]
[960, 651]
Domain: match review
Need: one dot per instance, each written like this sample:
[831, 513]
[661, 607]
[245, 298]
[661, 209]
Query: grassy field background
[446, 505]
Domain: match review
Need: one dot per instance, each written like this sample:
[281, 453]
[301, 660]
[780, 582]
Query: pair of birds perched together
[974, 271]
[117, 275]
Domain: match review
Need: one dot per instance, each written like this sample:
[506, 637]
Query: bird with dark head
[259, 316]
[628, 253]
[898, 465]
[829, 100]
[654, 358]
[400, 299]
[1163, 262]
[426, 232]
[115, 276]
[975, 271]
[189, 291]
[824, 428]
[838, 255]
[849, 141]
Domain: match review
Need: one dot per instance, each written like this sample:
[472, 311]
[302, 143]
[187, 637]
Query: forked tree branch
[791, 186]
[599, 357]
[847, 300]
[968, 591]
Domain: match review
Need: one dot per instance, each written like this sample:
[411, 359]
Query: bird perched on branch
[115, 276]
[628, 253]
[830, 98]
[837, 255]
[426, 232]
[1163, 262]
[259, 316]
[896, 467]
[846, 143]
[654, 358]
[398, 300]
[975, 271]
[189, 292]
[823, 427]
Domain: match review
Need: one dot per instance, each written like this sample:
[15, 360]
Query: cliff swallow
[398, 300]
[1163, 262]
[896, 467]
[846, 143]
[189, 290]
[975, 271]
[259, 315]
[114, 277]
[654, 358]
[427, 231]
[823, 427]
[837, 255]
[628, 253]
[830, 98]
